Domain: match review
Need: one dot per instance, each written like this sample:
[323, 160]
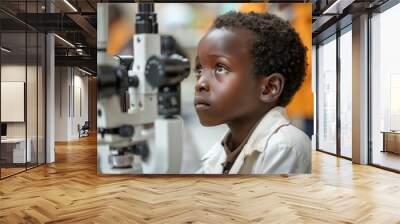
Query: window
[346, 92]
[385, 89]
[327, 95]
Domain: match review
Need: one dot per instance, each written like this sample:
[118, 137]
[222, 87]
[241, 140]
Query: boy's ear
[272, 87]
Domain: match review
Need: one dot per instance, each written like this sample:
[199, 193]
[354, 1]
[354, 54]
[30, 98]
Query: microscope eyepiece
[146, 19]
[146, 7]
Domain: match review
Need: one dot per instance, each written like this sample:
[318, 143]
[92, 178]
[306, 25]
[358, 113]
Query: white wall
[12, 73]
[80, 84]
[71, 87]
[61, 103]
[16, 73]
[33, 126]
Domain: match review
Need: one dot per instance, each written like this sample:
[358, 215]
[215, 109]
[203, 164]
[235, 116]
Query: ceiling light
[337, 7]
[70, 5]
[86, 72]
[5, 50]
[65, 41]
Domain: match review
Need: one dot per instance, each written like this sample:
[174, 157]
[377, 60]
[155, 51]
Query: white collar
[270, 123]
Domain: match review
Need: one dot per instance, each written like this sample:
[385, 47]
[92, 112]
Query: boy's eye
[197, 70]
[220, 68]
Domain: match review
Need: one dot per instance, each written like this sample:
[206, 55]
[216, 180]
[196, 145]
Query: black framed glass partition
[13, 95]
[334, 93]
[22, 77]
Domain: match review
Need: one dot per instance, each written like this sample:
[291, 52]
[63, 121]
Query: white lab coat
[274, 147]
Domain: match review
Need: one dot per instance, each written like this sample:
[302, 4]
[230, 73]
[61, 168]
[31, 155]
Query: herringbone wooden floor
[70, 191]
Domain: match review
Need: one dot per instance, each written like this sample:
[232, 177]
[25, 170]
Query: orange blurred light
[120, 33]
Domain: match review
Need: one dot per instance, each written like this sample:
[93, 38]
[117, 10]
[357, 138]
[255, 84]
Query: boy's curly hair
[277, 48]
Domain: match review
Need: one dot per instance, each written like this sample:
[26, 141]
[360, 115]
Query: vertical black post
[316, 97]
[369, 96]
[37, 88]
[25, 86]
[338, 73]
[1, 164]
[45, 96]
[73, 91]
[47, 3]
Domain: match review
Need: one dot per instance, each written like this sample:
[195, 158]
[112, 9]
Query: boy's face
[226, 87]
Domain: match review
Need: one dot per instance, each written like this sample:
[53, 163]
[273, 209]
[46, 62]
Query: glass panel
[31, 98]
[327, 96]
[13, 87]
[23, 81]
[13, 92]
[32, 88]
[385, 84]
[346, 94]
[41, 99]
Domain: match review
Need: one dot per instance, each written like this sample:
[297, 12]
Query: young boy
[248, 67]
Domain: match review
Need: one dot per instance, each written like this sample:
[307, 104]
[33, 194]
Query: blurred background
[187, 23]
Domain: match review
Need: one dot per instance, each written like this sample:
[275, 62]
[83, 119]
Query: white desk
[19, 149]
